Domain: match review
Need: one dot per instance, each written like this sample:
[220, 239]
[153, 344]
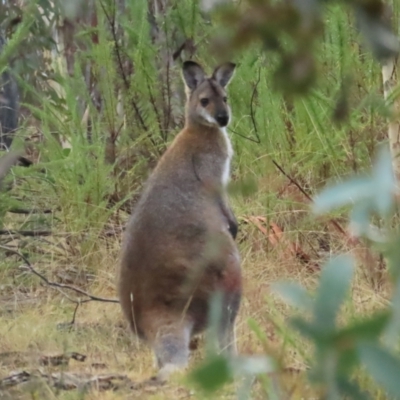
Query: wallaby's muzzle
[222, 119]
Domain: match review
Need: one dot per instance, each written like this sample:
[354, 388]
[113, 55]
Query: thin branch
[74, 315]
[244, 136]
[58, 285]
[332, 221]
[168, 78]
[253, 95]
[25, 233]
[28, 211]
[117, 48]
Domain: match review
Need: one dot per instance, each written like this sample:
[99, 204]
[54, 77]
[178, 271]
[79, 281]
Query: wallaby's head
[206, 96]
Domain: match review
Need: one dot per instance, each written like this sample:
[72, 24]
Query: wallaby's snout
[222, 118]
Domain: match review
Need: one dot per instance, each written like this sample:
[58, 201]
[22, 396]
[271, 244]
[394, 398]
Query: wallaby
[179, 244]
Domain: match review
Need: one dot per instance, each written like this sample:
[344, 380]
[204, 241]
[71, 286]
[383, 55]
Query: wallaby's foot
[167, 370]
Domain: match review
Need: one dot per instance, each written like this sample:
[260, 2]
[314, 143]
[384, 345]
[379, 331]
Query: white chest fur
[227, 165]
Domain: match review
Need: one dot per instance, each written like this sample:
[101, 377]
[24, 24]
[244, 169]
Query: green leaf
[342, 194]
[294, 294]
[384, 182]
[367, 329]
[253, 365]
[351, 390]
[382, 41]
[382, 365]
[335, 282]
[213, 374]
[347, 360]
[66, 152]
[393, 327]
[214, 322]
[359, 218]
[306, 328]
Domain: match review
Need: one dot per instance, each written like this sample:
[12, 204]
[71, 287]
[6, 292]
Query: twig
[59, 285]
[25, 233]
[332, 221]
[111, 21]
[74, 315]
[27, 211]
[253, 95]
[244, 136]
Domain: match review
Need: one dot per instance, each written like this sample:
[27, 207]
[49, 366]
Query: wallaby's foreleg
[171, 348]
[219, 193]
[229, 215]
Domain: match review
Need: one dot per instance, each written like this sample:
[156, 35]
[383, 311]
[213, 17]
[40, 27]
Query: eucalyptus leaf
[359, 218]
[294, 294]
[379, 37]
[342, 194]
[213, 374]
[384, 182]
[253, 365]
[306, 328]
[334, 284]
[367, 329]
[393, 327]
[383, 366]
[351, 390]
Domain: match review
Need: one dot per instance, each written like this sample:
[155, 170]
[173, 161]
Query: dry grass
[31, 314]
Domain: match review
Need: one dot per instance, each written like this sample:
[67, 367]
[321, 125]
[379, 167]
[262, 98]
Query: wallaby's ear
[193, 74]
[223, 74]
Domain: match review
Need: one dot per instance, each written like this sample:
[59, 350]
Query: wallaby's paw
[167, 370]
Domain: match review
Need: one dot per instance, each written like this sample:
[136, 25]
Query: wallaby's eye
[225, 99]
[204, 102]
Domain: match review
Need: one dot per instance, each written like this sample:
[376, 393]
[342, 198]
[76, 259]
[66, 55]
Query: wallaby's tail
[8, 105]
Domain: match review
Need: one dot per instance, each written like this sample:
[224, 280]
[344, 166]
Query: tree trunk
[389, 75]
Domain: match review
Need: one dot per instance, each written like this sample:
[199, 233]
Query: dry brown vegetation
[37, 321]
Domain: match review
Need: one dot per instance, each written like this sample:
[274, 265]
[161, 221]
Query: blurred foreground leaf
[383, 366]
[334, 284]
[294, 294]
[213, 374]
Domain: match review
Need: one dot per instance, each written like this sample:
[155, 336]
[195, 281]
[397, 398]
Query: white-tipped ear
[223, 74]
[193, 74]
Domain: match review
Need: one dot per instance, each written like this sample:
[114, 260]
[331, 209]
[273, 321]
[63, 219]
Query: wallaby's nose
[222, 119]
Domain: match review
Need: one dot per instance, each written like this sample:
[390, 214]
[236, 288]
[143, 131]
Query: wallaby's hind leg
[171, 348]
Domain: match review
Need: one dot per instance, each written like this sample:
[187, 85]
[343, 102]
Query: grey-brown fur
[178, 249]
